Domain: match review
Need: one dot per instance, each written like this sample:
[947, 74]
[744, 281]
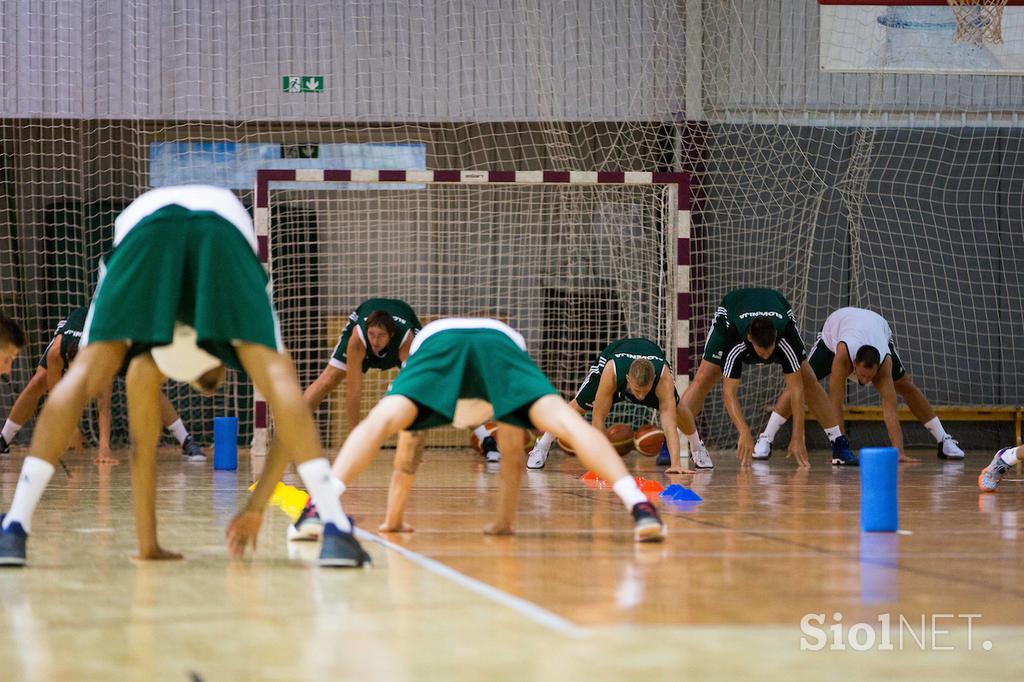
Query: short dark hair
[762, 332]
[383, 319]
[867, 356]
[11, 333]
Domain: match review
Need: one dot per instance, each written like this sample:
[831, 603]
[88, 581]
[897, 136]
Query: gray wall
[922, 225]
[436, 60]
[761, 62]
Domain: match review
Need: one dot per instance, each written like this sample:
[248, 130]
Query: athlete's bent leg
[707, 377]
[143, 388]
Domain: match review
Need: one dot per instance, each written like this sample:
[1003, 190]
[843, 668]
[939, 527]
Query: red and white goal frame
[677, 222]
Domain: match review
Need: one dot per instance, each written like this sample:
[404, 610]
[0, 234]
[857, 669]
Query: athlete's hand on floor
[798, 451]
[243, 530]
[745, 448]
[76, 443]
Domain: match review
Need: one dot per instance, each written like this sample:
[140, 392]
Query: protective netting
[896, 191]
[566, 266]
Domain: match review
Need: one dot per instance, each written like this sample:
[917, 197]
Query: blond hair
[642, 372]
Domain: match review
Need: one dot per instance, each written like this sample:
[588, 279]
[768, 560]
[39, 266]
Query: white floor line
[526, 608]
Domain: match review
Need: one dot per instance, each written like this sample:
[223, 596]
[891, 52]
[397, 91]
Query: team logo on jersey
[761, 313]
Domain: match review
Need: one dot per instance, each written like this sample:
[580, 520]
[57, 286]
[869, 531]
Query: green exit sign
[302, 84]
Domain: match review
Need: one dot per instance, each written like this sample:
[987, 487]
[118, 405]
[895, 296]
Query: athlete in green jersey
[377, 336]
[183, 294]
[62, 349]
[634, 370]
[757, 326]
[463, 371]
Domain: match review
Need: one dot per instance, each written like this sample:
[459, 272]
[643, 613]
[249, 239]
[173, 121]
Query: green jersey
[622, 354]
[727, 344]
[743, 306]
[406, 322]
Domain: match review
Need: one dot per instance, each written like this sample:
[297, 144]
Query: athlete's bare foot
[399, 528]
[158, 553]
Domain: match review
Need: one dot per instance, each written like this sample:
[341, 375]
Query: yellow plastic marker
[287, 498]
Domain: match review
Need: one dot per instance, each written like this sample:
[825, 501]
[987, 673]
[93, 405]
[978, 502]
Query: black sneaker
[191, 451]
[308, 526]
[12, 544]
[4, 447]
[647, 525]
[490, 448]
[341, 549]
[842, 455]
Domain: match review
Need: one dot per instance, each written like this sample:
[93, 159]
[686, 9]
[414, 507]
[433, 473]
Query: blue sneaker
[842, 455]
[341, 549]
[12, 544]
[663, 457]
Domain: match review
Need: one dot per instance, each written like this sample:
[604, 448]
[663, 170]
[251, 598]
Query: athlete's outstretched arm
[408, 457]
[797, 441]
[731, 399]
[887, 395]
[666, 393]
[603, 399]
[354, 354]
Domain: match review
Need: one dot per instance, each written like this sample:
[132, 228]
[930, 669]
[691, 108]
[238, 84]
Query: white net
[838, 160]
[569, 267]
[978, 21]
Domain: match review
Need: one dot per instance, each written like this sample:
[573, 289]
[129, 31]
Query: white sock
[545, 442]
[775, 423]
[628, 491]
[10, 431]
[1011, 456]
[694, 440]
[481, 432]
[179, 431]
[338, 485]
[316, 475]
[935, 428]
[35, 474]
[833, 433]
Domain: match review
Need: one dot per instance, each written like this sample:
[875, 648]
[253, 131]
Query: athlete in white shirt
[858, 342]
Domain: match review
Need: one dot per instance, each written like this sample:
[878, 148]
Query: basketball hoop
[978, 21]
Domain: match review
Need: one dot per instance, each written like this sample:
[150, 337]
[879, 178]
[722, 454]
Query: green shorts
[821, 359]
[470, 363]
[194, 267]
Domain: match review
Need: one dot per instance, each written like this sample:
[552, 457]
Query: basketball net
[978, 21]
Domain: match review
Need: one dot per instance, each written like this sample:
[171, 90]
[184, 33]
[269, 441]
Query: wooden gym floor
[569, 597]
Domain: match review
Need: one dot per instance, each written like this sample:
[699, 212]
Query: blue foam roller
[225, 443]
[879, 499]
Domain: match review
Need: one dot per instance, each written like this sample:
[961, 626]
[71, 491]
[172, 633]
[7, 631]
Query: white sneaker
[763, 447]
[538, 456]
[493, 456]
[950, 449]
[702, 458]
[308, 526]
